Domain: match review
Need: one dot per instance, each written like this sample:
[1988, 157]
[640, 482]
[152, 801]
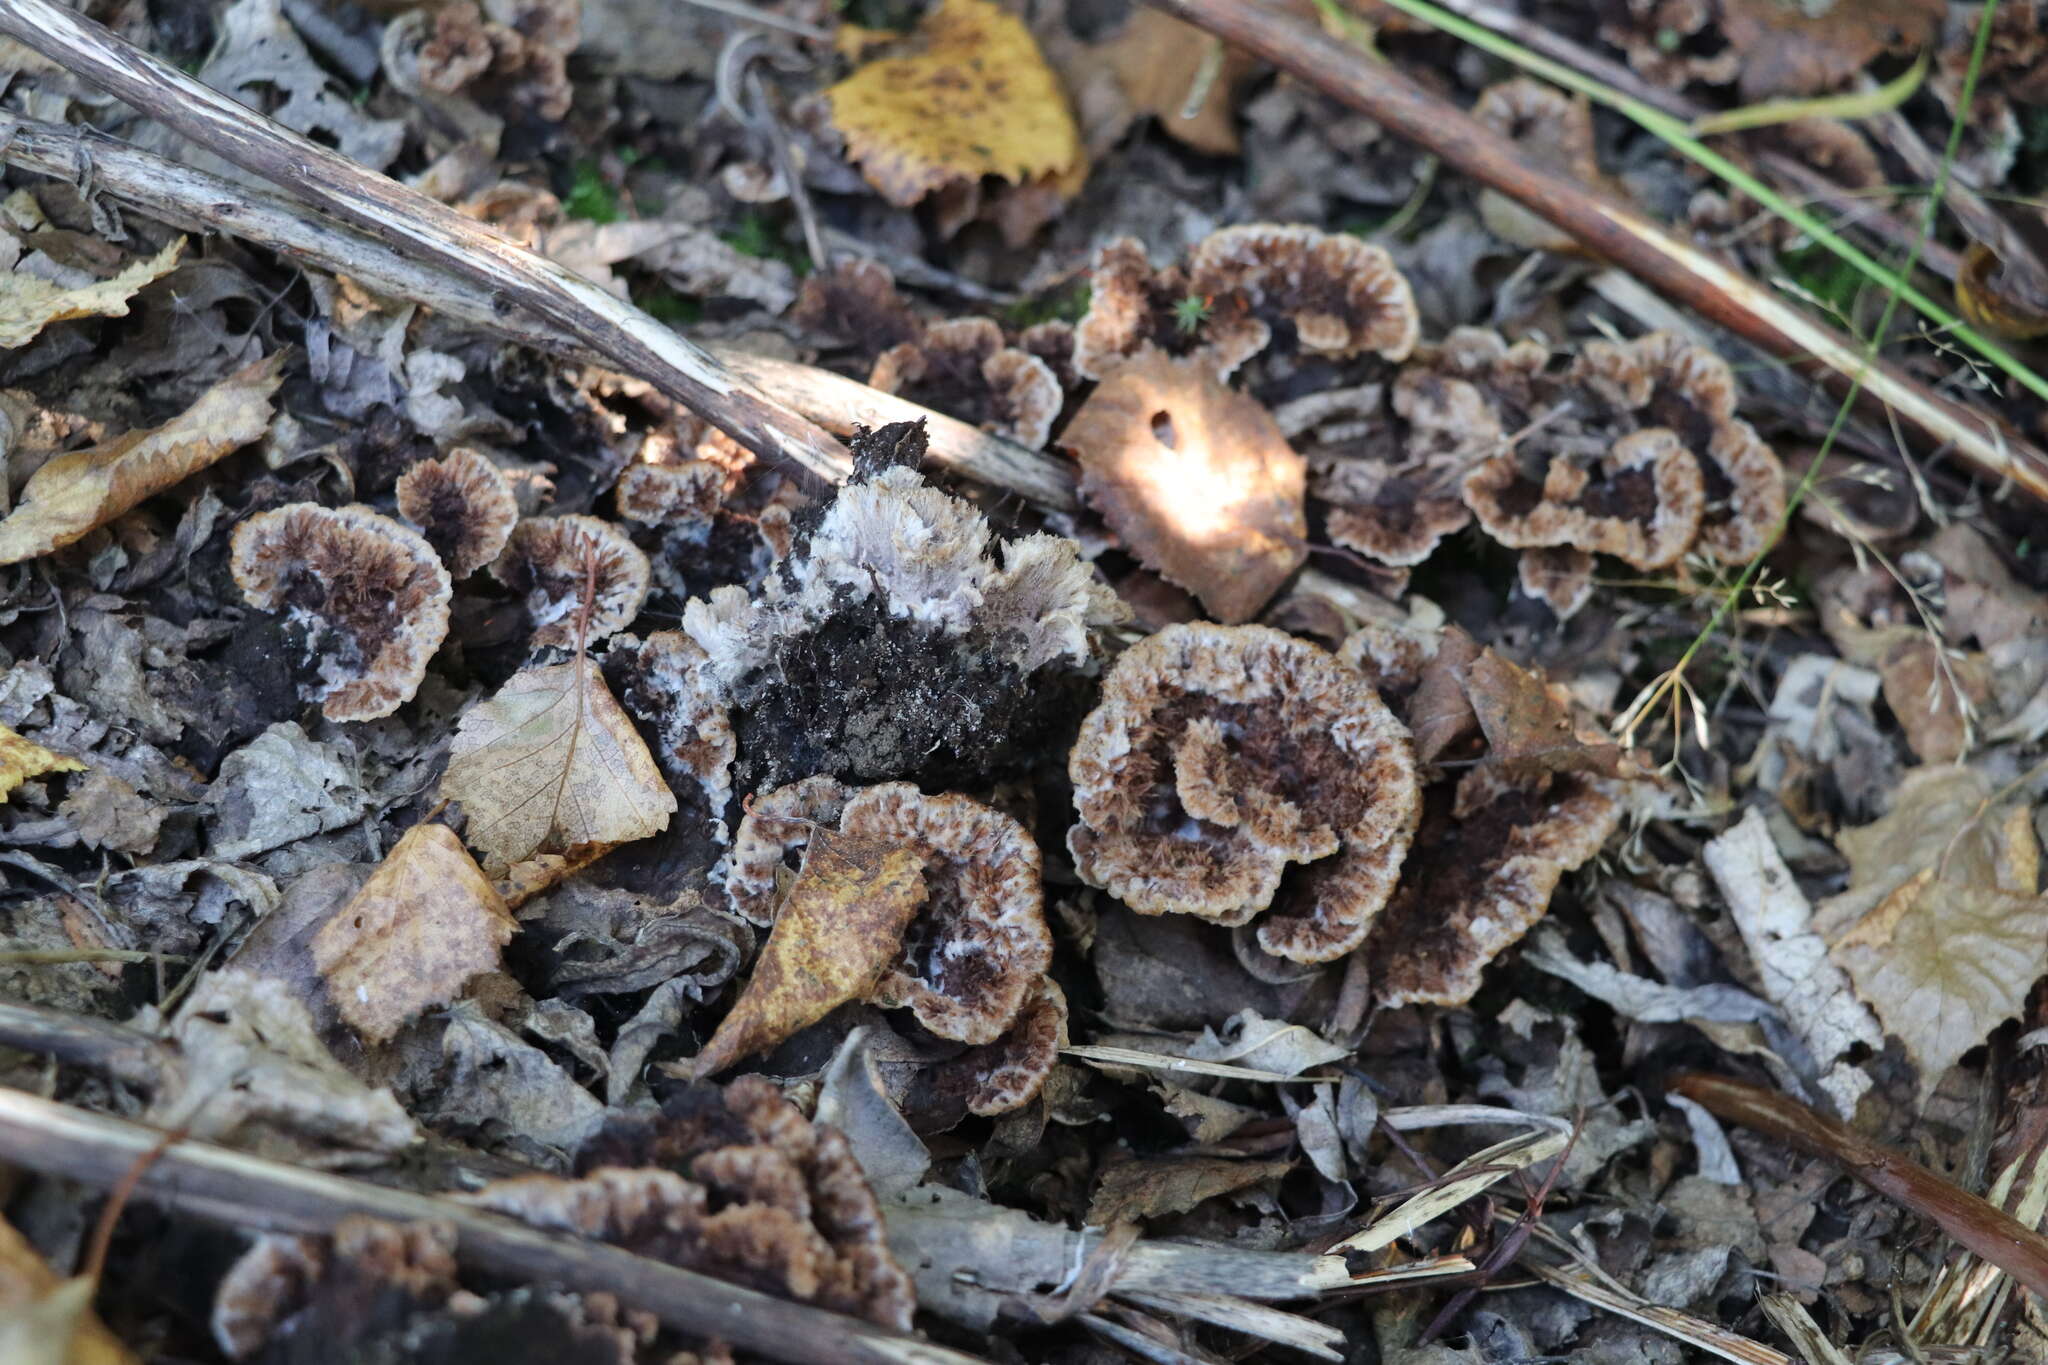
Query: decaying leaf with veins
[29, 303]
[45, 1320]
[839, 929]
[552, 765]
[975, 98]
[425, 922]
[1943, 929]
[22, 759]
[84, 490]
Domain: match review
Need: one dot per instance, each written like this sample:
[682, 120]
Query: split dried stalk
[425, 228]
[1610, 230]
[1983, 1227]
[249, 1192]
[199, 201]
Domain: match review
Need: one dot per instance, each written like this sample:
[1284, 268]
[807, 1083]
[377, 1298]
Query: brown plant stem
[426, 228]
[249, 1192]
[199, 201]
[1610, 230]
[1983, 1227]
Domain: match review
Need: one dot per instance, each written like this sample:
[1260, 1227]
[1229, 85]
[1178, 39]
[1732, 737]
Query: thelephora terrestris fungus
[1341, 295]
[1640, 501]
[1220, 755]
[1486, 862]
[1195, 479]
[963, 367]
[1394, 488]
[734, 1183]
[685, 495]
[364, 601]
[1334, 293]
[661, 683]
[901, 638]
[855, 302]
[462, 504]
[978, 946]
[581, 578]
[1671, 43]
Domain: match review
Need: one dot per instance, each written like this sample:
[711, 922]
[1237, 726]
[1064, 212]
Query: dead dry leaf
[79, 492]
[22, 759]
[1440, 712]
[839, 929]
[1196, 479]
[1804, 47]
[46, 1320]
[1159, 63]
[1528, 723]
[1943, 928]
[552, 765]
[972, 98]
[423, 925]
[1150, 1189]
[29, 303]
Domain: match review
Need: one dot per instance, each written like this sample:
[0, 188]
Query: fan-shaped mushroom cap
[688, 493]
[1661, 40]
[555, 562]
[978, 944]
[739, 1185]
[1131, 306]
[1397, 510]
[1343, 294]
[462, 504]
[962, 367]
[370, 598]
[1008, 1073]
[1559, 576]
[1642, 505]
[1221, 754]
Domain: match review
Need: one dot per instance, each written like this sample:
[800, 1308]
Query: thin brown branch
[425, 228]
[199, 201]
[1983, 1227]
[1611, 230]
[100, 1044]
[249, 1192]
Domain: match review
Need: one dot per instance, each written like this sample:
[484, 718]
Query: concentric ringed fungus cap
[552, 562]
[1642, 503]
[1218, 756]
[369, 597]
[1344, 295]
[462, 504]
[978, 946]
[962, 366]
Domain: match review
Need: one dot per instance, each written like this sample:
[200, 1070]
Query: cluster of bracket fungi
[891, 660]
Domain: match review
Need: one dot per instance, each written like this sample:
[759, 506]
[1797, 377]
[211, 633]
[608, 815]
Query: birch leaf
[29, 303]
[79, 492]
[552, 765]
[839, 929]
[22, 759]
[425, 922]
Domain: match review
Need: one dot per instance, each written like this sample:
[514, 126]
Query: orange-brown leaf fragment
[551, 764]
[79, 492]
[45, 1320]
[1158, 62]
[1196, 479]
[839, 929]
[1528, 723]
[973, 98]
[29, 303]
[425, 922]
[1150, 1189]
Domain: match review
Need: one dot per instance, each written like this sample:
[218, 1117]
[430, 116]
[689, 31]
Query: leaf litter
[689, 855]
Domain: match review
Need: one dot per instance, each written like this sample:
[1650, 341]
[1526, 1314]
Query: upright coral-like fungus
[979, 946]
[1218, 756]
[902, 639]
[463, 505]
[962, 367]
[365, 601]
[582, 579]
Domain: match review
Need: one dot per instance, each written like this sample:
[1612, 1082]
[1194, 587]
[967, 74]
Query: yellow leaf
[45, 1320]
[551, 765]
[973, 98]
[21, 759]
[839, 929]
[29, 303]
[423, 924]
[76, 493]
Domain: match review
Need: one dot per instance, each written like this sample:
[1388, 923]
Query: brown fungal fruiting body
[734, 1183]
[686, 495]
[581, 578]
[661, 682]
[366, 598]
[1218, 756]
[962, 367]
[463, 505]
[1398, 509]
[978, 946]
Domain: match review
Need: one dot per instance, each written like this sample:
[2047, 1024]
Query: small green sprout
[1190, 313]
